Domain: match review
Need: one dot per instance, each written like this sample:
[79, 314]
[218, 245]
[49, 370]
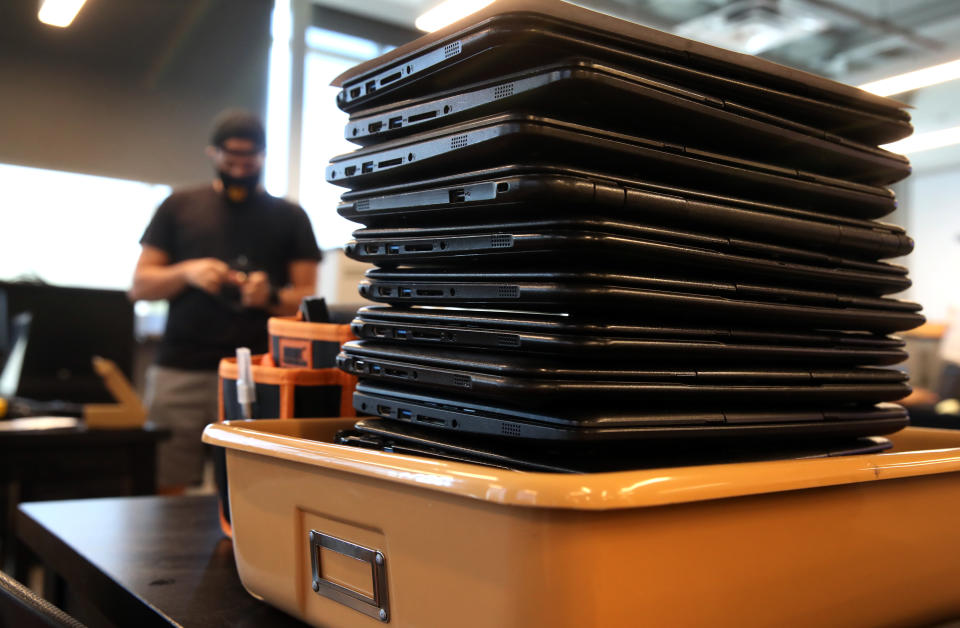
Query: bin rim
[294, 327]
[279, 375]
[594, 491]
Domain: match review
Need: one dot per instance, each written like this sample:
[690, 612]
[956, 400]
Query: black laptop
[539, 192]
[721, 242]
[618, 246]
[408, 438]
[529, 380]
[623, 421]
[505, 139]
[572, 336]
[598, 95]
[640, 296]
[524, 34]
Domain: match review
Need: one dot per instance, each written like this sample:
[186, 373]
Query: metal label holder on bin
[377, 606]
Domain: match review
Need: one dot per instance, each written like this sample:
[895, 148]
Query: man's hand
[206, 273]
[255, 291]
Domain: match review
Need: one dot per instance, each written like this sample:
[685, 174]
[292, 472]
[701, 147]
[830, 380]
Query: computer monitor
[68, 327]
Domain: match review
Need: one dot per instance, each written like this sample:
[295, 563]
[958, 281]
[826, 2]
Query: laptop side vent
[508, 292]
[501, 241]
[451, 50]
[463, 381]
[508, 340]
[363, 205]
[510, 429]
[503, 91]
[458, 142]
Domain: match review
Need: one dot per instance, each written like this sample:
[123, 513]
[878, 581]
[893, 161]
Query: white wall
[934, 222]
[339, 276]
[931, 205]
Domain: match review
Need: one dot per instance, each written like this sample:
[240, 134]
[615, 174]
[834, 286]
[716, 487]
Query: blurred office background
[99, 120]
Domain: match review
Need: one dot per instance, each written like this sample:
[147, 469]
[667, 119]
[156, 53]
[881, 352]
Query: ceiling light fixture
[926, 141]
[448, 12]
[59, 12]
[753, 26]
[910, 81]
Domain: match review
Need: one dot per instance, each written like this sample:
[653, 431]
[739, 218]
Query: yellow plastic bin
[341, 536]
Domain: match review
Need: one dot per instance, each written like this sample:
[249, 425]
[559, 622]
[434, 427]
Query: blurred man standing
[227, 256]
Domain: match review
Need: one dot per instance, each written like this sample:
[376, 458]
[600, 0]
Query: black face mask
[238, 190]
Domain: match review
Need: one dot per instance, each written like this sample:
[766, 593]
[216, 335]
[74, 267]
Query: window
[328, 54]
[73, 229]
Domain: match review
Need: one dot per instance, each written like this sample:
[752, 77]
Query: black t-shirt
[266, 233]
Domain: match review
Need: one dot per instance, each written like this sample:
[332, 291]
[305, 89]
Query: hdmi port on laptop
[429, 293]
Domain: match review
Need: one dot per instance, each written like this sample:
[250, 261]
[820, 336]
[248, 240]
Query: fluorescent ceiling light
[926, 141]
[59, 12]
[910, 81]
[448, 12]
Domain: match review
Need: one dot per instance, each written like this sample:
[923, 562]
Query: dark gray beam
[880, 24]
[175, 42]
[930, 14]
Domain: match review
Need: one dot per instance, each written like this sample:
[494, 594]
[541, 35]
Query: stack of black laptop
[587, 232]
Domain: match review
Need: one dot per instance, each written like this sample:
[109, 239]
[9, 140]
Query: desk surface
[14, 440]
[38, 465]
[146, 561]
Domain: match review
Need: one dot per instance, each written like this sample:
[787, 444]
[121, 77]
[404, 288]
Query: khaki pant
[183, 402]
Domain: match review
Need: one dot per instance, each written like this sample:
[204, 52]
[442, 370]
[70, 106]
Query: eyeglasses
[228, 152]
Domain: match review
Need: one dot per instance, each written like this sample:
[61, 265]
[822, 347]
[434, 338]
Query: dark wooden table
[142, 561]
[70, 463]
